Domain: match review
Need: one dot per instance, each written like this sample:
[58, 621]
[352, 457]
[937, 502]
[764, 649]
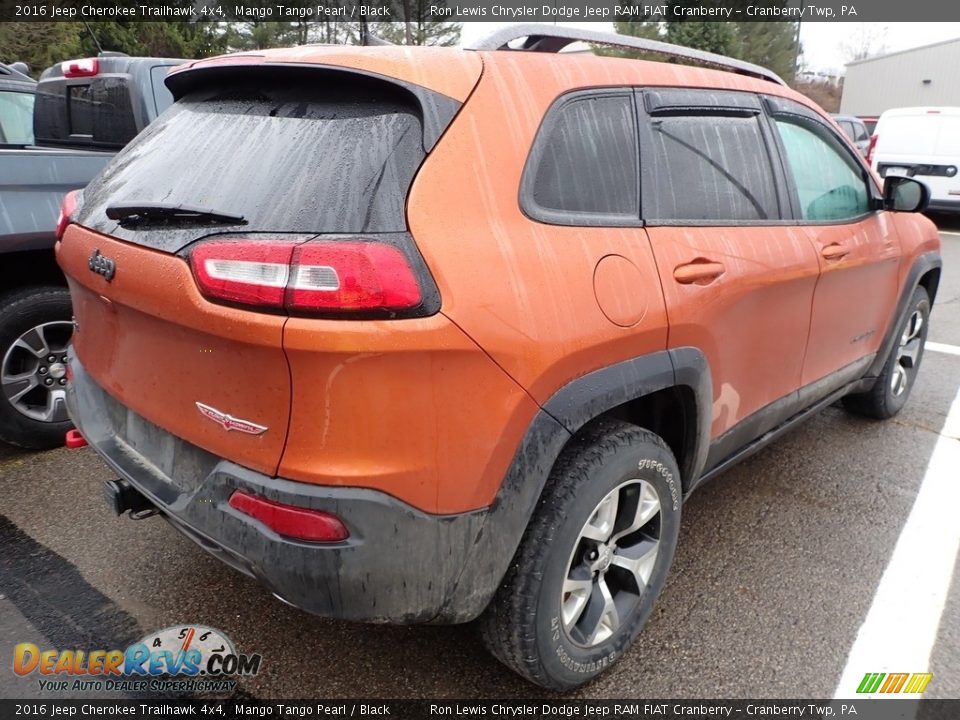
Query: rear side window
[583, 168]
[287, 157]
[706, 167]
[16, 118]
[830, 184]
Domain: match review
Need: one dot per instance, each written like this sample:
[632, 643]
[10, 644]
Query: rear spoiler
[437, 109]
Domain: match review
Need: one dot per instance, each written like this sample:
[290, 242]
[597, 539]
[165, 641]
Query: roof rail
[553, 38]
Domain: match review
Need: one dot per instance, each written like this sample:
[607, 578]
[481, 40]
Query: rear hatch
[182, 255]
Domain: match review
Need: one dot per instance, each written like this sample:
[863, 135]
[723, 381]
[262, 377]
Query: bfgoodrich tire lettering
[527, 626]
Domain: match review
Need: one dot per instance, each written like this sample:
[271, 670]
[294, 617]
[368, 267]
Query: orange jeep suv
[445, 334]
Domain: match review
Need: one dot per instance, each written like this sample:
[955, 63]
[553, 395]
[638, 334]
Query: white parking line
[948, 232]
[900, 629]
[940, 347]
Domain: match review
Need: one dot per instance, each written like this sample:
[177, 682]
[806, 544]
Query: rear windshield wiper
[147, 212]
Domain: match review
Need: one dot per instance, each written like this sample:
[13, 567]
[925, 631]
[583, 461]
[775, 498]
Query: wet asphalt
[776, 569]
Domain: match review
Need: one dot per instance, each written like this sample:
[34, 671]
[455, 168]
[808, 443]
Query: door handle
[699, 272]
[834, 251]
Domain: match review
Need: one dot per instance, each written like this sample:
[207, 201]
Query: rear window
[287, 158]
[16, 118]
[97, 113]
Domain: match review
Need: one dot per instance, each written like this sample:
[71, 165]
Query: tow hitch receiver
[122, 496]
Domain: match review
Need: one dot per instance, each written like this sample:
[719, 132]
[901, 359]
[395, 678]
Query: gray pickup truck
[55, 136]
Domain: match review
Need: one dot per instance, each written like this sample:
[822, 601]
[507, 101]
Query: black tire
[524, 626]
[883, 400]
[20, 311]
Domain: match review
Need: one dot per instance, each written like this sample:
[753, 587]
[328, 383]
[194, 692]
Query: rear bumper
[399, 565]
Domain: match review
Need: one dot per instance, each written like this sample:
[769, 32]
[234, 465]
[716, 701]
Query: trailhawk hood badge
[228, 422]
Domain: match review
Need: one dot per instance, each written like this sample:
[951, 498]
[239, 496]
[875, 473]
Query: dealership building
[920, 76]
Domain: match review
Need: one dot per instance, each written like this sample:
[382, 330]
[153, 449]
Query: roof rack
[553, 38]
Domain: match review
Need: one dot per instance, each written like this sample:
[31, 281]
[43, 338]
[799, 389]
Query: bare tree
[867, 39]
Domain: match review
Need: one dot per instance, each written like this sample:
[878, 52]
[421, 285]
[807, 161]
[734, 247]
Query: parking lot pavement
[777, 571]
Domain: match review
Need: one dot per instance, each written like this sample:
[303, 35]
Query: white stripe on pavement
[900, 629]
[940, 347]
[948, 232]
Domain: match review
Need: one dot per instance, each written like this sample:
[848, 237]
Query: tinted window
[860, 132]
[708, 167]
[98, 113]
[830, 184]
[16, 118]
[586, 159]
[82, 110]
[284, 157]
[847, 128]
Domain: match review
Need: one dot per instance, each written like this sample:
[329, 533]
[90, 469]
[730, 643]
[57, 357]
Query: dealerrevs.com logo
[182, 658]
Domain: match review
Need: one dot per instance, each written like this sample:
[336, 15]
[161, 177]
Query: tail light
[289, 520]
[67, 206]
[326, 276]
[871, 147]
[87, 67]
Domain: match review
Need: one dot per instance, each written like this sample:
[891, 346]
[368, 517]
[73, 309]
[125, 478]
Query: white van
[921, 142]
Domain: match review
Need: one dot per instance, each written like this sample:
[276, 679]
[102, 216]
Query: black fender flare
[565, 412]
[921, 266]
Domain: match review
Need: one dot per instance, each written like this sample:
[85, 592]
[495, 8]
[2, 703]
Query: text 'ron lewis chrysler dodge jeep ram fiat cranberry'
[432, 335]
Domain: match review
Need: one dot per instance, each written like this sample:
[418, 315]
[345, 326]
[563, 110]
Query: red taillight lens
[253, 273]
[320, 276]
[67, 206]
[289, 520]
[871, 147]
[351, 276]
[88, 67]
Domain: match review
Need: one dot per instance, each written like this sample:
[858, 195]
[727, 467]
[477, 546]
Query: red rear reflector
[289, 520]
[329, 275]
[67, 206]
[75, 440]
[88, 67]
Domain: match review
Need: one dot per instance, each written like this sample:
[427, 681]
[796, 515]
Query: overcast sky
[827, 46]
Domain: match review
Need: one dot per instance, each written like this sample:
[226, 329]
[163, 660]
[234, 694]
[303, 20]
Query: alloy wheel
[611, 563]
[33, 372]
[908, 352]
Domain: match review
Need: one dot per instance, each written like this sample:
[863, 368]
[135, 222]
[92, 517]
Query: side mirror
[903, 194]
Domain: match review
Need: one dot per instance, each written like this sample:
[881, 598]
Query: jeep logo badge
[102, 265]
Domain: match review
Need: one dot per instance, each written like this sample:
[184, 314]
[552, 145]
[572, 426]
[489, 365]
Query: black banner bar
[478, 10]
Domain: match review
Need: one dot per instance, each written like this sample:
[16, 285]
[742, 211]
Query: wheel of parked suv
[892, 388]
[592, 561]
[35, 328]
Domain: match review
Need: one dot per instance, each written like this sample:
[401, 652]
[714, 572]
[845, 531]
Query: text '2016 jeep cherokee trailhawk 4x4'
[427, 335]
